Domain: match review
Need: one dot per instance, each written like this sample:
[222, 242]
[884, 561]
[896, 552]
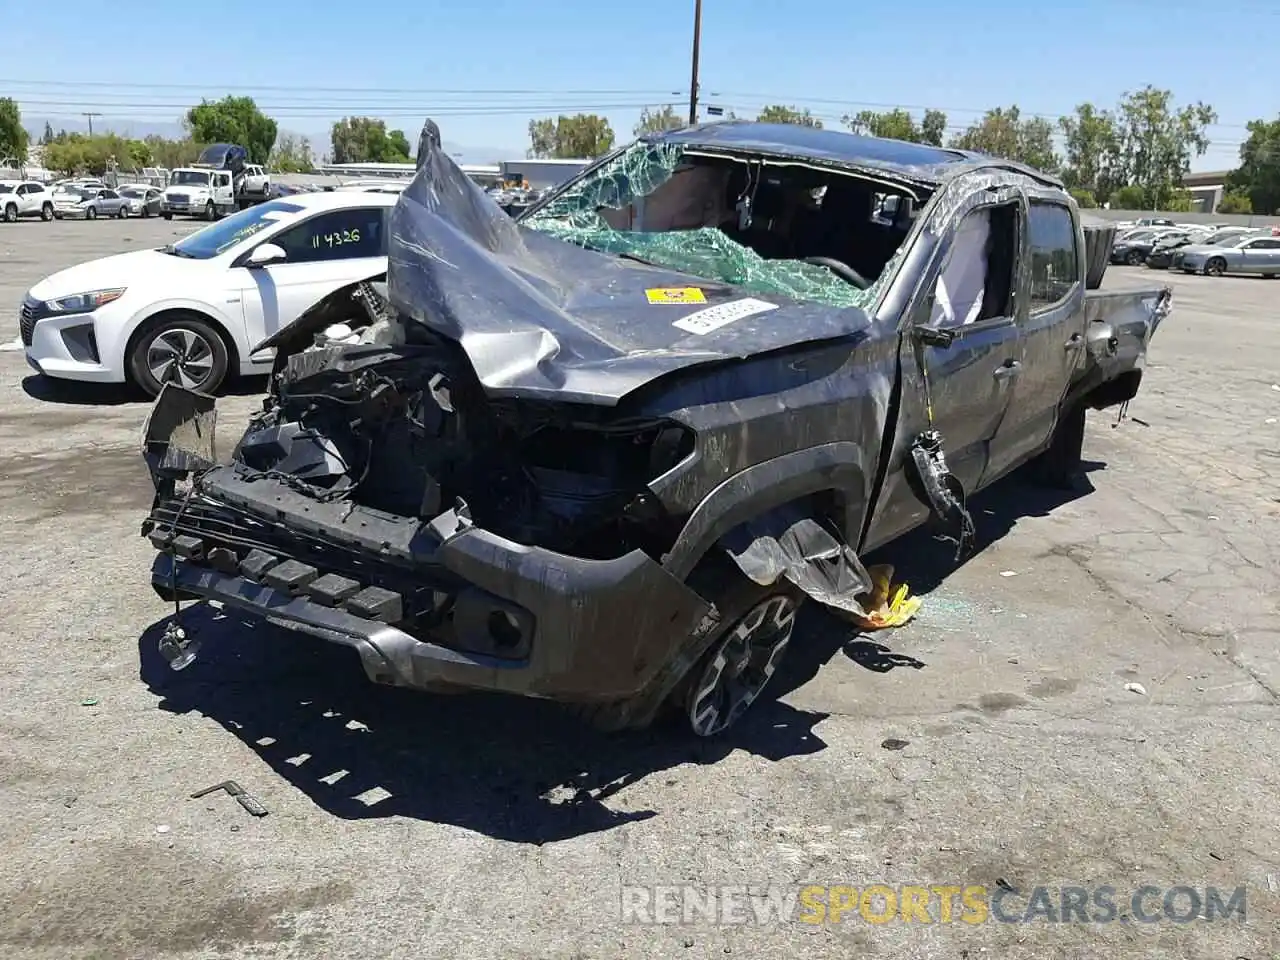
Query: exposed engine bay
[390, 416]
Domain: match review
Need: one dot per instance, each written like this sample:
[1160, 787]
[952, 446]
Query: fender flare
[840, 467]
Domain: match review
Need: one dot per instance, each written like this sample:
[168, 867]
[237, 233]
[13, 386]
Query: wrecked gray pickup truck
[602, 453]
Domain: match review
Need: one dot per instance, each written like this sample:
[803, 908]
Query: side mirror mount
[264, 255]
[932, 336]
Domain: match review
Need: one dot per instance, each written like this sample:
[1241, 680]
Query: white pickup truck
[24, 198]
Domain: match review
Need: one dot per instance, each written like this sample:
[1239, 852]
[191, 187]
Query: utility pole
[90, 115]
[697, 40]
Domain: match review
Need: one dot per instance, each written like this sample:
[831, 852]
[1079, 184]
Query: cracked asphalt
[404, 825]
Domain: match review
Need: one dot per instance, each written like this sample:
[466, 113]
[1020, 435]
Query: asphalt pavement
[1091, 700]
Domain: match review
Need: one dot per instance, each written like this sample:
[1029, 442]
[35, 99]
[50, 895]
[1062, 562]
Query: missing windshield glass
[800, 231]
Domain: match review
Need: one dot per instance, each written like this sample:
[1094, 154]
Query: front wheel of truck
[721, 672]
[741, 662]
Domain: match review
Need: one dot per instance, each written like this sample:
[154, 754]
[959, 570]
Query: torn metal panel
[179, 435]
[789, 543]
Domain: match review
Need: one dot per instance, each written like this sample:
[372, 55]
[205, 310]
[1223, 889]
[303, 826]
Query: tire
[91, 213]
[743, 607]
[123, 212]
[46, 212]
[207, 355]
[1215, 267]
[11, 213]
[210, 213]
[166, 214]
[1134, 259]
[1059, 466]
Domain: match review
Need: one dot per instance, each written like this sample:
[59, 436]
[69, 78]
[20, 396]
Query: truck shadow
[520, 770]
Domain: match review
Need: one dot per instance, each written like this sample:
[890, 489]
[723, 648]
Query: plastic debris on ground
[887, 605]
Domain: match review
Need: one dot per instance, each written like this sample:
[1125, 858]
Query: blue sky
[505, 61]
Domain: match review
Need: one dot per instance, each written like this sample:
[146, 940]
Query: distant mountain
[140, 129]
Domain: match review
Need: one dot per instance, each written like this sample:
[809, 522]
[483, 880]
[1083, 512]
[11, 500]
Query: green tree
[1258, 175]
[139, 154]
[1129, 197]
[656, 121]
[1157, 142]
[580, 136]
[292, 155]
[398, 145]
[1003, 132]
[366, 140]
[1092, 144]
[1084, 198]
[13, 135]
[234, 120]
[899, 125]
[1235, 202]
[776, 113]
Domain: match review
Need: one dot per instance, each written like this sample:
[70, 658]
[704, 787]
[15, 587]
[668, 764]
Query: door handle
[1010, 368]
[1075, 343]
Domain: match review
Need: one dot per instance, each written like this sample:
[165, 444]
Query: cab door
[960, 348]
[1051, 324]
[222, 193]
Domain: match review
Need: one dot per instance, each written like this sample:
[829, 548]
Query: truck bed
[1119, 325]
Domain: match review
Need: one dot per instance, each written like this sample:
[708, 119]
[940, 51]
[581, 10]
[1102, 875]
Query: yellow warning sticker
[676, 295]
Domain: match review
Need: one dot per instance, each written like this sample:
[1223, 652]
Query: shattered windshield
[601, 211]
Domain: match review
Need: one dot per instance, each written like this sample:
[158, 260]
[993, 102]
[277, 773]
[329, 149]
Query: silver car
[81, 203]
[1247, 254]
[143, 201]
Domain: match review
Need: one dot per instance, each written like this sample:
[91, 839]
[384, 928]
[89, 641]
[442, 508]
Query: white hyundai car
[189, 313]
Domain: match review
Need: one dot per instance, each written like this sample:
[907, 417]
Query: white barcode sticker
[713, 318]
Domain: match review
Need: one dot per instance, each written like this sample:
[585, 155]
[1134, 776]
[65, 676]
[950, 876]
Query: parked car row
[76, 200]
[1212, 250]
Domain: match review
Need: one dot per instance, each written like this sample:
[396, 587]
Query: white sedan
[190, 312]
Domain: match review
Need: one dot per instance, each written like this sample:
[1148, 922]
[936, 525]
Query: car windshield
[74, 192]
[130, 192]
[182, 178]
[1232, 241]
[6, 188]
[638, 204]
[222, 236]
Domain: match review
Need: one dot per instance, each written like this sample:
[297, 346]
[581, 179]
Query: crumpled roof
[539, 317]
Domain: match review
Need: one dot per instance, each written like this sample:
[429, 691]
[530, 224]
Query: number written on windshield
[335, 239]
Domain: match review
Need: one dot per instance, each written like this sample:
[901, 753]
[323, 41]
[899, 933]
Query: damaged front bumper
[426, 604]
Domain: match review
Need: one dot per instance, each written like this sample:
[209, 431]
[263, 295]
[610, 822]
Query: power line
[474, 95]
[407, 91]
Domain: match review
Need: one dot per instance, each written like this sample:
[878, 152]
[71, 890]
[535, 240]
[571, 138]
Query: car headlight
[84, 302]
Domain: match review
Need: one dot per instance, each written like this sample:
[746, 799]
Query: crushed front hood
[539, 317]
